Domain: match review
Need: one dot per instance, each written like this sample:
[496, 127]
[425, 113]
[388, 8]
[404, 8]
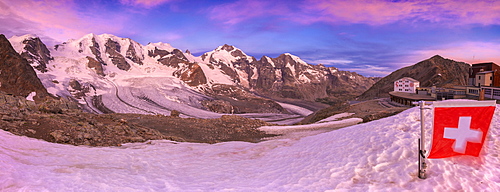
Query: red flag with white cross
[460, 127]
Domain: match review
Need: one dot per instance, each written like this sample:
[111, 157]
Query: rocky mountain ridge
[17, 77]
[435, 71]
[106, 56]
[286, 76]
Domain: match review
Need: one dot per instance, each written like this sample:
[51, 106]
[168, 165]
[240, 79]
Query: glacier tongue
[105, 65]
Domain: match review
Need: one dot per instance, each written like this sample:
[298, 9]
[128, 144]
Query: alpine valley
[109, 74]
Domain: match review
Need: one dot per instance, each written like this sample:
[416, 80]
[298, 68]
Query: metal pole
[421, 152]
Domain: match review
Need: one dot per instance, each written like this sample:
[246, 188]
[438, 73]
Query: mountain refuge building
[484, 74]
[406, 84]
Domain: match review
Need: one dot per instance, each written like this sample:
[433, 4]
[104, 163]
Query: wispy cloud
[370, 70]
[243, 10]
[379, 12]
[370, 12]
[145, 3]
[469, 52]
[58, 19]
[331, 61]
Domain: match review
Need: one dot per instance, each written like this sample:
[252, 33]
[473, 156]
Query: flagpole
[421, 152]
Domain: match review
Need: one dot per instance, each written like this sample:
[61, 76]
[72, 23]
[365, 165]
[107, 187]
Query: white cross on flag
[460, 127]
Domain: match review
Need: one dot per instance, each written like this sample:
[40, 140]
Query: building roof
[409, 79]
[412, 96]
[486, 63]
[484, 72]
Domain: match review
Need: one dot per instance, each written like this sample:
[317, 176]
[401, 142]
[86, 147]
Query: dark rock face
[219, 106]
[96, 65]
[17, 77]
[171, 59]
[228, 71]
[132, 55]
[113, 49]
[436, 71]
[157, 52]
[94, 48]
[287, 77]
[236, 100]
[36, 53]
[192, 74]
[77, 89]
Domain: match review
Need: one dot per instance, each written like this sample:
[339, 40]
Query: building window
[400, 89]
[496, 92]
[479, 77]
[491, 78]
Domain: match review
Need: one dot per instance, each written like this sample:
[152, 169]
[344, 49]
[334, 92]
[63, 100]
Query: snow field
[293, 128]
[336, 117]
[376, 156]
[296, 109]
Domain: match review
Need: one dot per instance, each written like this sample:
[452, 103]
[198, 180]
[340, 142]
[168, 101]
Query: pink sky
[382, 34]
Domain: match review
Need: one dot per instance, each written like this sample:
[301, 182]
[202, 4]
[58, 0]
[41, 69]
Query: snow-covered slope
[107, 74]
[376, 156]
[97, 70]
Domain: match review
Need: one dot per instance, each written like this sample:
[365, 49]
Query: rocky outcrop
[36, 53]
[436, 71]
[234, 100]
[77, 89]
[192, 74]
[95, 49]
[17, 77]
[287, 76]
[171, 59]
[96, 65]
[113, 51]
[60, 121]
[132, 54]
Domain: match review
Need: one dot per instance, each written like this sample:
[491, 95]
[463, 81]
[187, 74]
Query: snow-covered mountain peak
[23, 37]
[160, 46]
[226, 47]
[93, 58]
[225, 54]
[92, 38]
[18, 41]
[296, 58]
[31, 48]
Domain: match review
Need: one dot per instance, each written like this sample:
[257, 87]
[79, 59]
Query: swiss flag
[460, 127]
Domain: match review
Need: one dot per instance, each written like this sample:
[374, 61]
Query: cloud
[331, 61]
[145, 3]
[380, 12]
[261, 15]
[58, 19]
[370, 70]
[470, 52]
[243, 10]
